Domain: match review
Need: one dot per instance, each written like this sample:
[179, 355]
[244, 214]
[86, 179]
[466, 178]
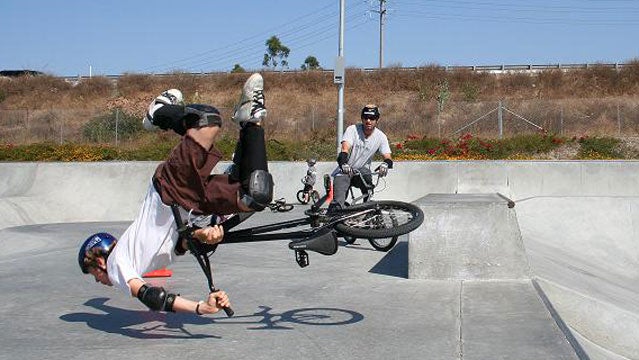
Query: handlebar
[187, 232]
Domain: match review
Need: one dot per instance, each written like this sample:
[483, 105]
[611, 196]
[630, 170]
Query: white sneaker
[251, 105]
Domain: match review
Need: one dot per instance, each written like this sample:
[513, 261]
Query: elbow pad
[389, 162]
[156, 298]
[342, 158]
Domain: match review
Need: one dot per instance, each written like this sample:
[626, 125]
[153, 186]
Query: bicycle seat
[323, 242]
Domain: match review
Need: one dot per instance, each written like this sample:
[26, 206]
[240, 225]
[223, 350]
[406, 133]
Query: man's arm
[346, 146]
[155, 295]
[158, 299]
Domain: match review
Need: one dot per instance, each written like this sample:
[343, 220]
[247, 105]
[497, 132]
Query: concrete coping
[482, 199]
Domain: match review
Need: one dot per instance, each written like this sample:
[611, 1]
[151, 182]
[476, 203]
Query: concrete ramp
[585, 253]
[563, 263]
[474, 240]
[467, 237]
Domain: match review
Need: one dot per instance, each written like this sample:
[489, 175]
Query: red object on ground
[159, 273]
[329, 198]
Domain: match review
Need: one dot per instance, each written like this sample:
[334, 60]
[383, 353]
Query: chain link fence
[67, 125]
[617, 117]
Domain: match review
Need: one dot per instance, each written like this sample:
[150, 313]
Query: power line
[307, 29]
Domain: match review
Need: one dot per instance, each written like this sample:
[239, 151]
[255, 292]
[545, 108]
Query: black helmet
[99, 244]
[370, 111]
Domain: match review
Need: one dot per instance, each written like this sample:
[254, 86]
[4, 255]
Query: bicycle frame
[371, 188]
[319, 236]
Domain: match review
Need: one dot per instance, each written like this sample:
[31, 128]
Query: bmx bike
[318, 229]
[280, 205]
[366, 179]
[306, 195]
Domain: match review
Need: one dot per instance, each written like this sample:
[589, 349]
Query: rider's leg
[251, 168]
[341, 183]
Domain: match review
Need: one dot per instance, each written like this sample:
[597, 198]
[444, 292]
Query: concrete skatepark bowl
[515, 260]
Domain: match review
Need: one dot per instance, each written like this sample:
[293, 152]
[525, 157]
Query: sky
[112, 37]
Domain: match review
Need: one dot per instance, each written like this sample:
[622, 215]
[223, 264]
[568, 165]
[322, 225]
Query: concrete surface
[467, 237]
[578, 222]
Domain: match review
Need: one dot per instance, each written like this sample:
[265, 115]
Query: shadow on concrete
[142, 324]
[266, 319]
[394, 263]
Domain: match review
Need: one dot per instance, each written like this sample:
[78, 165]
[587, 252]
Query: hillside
[424, 102]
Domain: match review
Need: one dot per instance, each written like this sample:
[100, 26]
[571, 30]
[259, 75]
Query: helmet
[370, 111]
[94, 246]
[199, 115]
[170, 97]
[311, 161]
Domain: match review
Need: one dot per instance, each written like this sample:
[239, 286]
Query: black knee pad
[259, 190]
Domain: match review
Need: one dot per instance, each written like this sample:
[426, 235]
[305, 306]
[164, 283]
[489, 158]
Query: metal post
[500, 120]
[619, 119]
[340, 85]
[382, 15]
[117, 119]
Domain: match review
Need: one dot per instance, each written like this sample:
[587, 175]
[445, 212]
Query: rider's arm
[213, 303]
[342, 157]
[388, 160]
[346, 147]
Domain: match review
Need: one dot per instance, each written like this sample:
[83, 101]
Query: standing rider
[151, 242]
[311, 175]
[359, 144]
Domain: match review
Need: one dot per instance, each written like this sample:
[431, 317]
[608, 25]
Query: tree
[276, 53]
[311, 63]
[237, 68]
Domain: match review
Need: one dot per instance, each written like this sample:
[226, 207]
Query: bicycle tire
[390, 218]
[301, 198]
[384, 244]
[381, 245]
[350, 240]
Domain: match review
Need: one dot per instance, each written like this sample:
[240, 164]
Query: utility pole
[339, 76]
[382, 21]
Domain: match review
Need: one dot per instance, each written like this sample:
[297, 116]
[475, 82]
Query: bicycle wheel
[301, 198]
[384, 244]
[381, 219]
[350, 239]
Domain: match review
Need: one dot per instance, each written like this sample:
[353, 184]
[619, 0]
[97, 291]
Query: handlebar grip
[229, 312]
[227, 309]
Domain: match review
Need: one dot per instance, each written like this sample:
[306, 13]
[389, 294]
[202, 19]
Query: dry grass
[596, 100]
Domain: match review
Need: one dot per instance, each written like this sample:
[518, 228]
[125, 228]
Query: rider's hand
[210, 234]
[382, 170]
[216, 301]
[347, 169]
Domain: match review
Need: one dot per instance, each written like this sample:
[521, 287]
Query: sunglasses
[370, 117]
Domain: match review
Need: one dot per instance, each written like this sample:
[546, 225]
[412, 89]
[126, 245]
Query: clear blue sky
[115, 36]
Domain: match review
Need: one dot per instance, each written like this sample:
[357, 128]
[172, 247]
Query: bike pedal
[301, 257]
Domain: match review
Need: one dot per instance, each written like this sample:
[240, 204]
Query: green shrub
[599, 148]
[102, 129]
